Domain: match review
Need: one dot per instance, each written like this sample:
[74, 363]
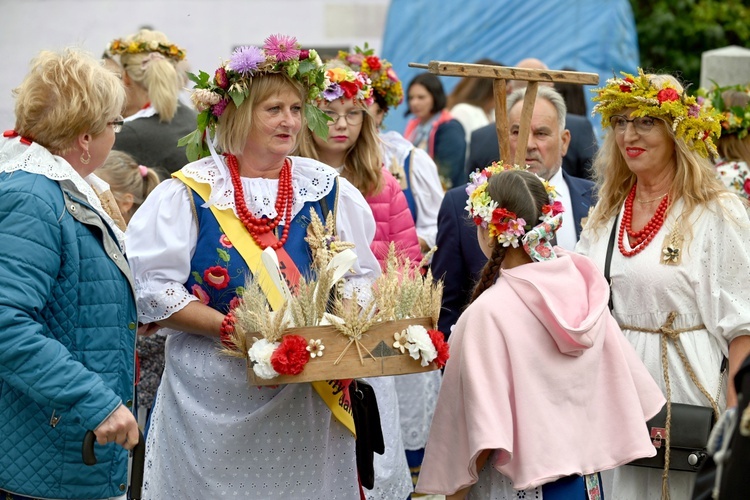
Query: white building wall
[207, 29]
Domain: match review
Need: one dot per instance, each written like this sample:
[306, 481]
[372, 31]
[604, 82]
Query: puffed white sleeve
[160, 242]
[428, 194]
[355, 223]
[723, 269]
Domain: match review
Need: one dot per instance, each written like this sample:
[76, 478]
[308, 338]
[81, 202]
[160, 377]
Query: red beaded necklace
[640, 239]
[257, 227]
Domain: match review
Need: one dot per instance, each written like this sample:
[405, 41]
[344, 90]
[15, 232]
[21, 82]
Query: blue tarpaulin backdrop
[596, 36]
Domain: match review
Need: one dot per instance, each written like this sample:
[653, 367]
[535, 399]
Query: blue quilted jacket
[67, 340]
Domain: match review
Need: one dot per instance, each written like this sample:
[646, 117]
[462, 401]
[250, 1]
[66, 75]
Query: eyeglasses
[353, 117]
[642, 124]
[117, 124]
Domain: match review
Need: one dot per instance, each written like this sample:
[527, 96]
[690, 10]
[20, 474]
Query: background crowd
[132, 217]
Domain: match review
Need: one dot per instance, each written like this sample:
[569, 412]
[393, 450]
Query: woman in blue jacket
[67, 308]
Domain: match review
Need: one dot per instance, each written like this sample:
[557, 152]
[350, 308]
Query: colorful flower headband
[503, 224]
[735, 120]
[385, 82]
[279, 54]
[693, 124]
[342, 82]
[119, 47]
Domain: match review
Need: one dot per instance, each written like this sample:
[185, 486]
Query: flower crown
[503, 224]
[385, 82]
[230, 82]
[693, 124]
[735, 120]
[119, 47]
[341, 82]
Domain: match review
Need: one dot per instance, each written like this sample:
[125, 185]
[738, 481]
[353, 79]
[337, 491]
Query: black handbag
[689, 431]
[369, 432]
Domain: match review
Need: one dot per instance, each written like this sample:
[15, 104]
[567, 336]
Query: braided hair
[520, 192]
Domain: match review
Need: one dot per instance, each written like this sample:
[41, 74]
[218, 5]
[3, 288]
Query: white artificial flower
[153, 45]
[401, 341]
[420, 345]
[260, 354]
[315, 347]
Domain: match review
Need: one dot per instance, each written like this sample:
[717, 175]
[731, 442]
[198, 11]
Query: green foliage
[672, 34]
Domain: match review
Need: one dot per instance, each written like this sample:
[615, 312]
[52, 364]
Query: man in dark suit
[581, 150]
[484, 147]
[458, 259]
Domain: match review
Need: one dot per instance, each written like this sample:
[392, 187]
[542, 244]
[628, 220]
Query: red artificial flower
[291, 356]
[373, 62]
[626, 88]
[441, 346]
[746, 186]
[350, 89]
[304, 54]
[500, 214]
[217, 277]
[220, 78]
[557, 208]
[666, 95]
[478, 220]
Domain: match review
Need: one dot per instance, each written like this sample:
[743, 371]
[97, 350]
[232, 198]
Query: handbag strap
[608, 260]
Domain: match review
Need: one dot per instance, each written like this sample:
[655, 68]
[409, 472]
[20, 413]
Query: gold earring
[86, 160]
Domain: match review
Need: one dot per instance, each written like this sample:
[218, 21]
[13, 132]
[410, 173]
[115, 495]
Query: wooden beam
[523, 131]
[501, 118]
[507, 73]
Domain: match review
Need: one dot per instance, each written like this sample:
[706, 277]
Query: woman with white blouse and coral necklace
[680, 263]
[212, 434]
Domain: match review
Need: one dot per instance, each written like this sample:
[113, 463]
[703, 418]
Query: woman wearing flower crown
[679, 259]
[352, 148]
[542, 391]
[418, 176]
[193, 243]
[412, 167]
[733, 162]
[155, 119]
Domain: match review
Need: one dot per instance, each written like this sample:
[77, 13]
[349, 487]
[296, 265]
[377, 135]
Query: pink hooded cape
[540, 372]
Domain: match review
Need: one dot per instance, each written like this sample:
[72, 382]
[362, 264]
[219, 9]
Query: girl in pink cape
[542, 391]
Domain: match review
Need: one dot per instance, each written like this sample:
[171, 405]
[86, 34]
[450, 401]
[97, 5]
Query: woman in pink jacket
[353, 149]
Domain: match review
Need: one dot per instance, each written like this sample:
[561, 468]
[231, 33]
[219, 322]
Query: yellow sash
[330, 391]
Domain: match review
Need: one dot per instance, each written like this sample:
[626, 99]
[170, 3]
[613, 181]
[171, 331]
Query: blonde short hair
[158, 74]
[235, 123]
[65, 95]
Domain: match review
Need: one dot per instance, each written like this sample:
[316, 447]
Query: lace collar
[311, 181]
[35, 159]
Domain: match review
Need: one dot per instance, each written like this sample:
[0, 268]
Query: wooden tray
[378, 340]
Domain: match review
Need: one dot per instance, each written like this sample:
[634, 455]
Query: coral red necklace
[257, 227]
[640, 239]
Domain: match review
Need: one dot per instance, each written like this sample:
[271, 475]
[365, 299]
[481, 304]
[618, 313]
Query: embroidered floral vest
[218, 272]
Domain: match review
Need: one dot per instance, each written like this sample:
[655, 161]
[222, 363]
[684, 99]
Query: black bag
[369, 432]
[689, 431]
